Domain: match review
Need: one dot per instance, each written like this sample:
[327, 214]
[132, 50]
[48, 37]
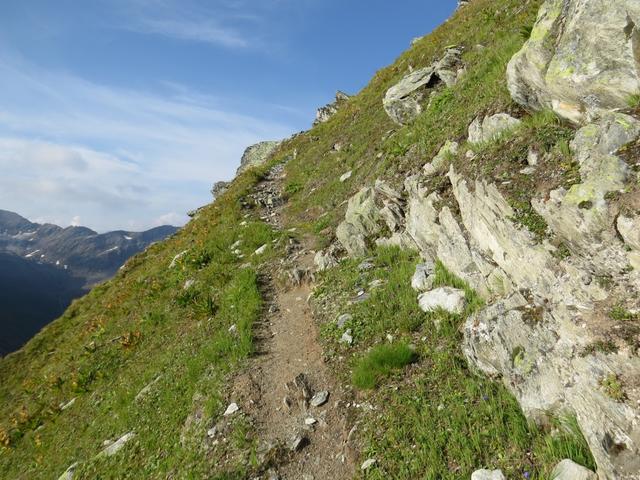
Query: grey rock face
[569, 470]
[325, 113]
[581, 216]
[582, 58]
[403, 101]
[490, 128]
[361, 221]
[542, 313]
[256, 155]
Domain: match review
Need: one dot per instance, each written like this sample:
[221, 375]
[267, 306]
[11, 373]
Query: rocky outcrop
[403, 102]
[543, 315]
[583, 58]
[219, 188]
[547, 311]
[582, 215]
[256, 155]
[323, 114]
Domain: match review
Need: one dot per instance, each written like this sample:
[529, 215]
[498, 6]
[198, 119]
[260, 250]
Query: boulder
[487, 475]
[569, 470]
[343, 319]
[403, 101]
[491, 128]
[583, 57]
[451, 300]
[231, 409]
[367, 464]
[256, 155]
[345, 176]
[319, 399]
[175, 259]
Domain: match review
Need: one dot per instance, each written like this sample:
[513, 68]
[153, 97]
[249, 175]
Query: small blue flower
[527, 475]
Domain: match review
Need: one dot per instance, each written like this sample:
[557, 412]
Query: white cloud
[191, 30]
[69, 147]
[171, 218]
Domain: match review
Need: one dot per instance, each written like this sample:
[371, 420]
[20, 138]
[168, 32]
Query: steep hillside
[472, 304]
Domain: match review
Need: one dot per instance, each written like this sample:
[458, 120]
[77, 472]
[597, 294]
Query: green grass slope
[144, 328]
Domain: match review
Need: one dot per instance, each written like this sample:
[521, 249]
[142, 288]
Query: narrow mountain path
[286, 381]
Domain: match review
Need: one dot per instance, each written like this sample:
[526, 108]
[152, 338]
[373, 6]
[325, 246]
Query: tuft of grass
[380, 362]
[634, 101]
[444, 278]
[621, 314]
[612, 386]
[526, 216]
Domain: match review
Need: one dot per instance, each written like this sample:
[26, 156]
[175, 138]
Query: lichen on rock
[581, 59]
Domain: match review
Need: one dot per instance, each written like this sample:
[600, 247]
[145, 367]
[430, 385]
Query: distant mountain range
[43, 267]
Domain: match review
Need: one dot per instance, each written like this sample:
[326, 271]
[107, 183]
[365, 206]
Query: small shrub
[380, 362]
[603, 346]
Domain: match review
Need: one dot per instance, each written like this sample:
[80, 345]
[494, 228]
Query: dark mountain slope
[31, 295]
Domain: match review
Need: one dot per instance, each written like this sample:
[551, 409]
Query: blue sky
[123, 113]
